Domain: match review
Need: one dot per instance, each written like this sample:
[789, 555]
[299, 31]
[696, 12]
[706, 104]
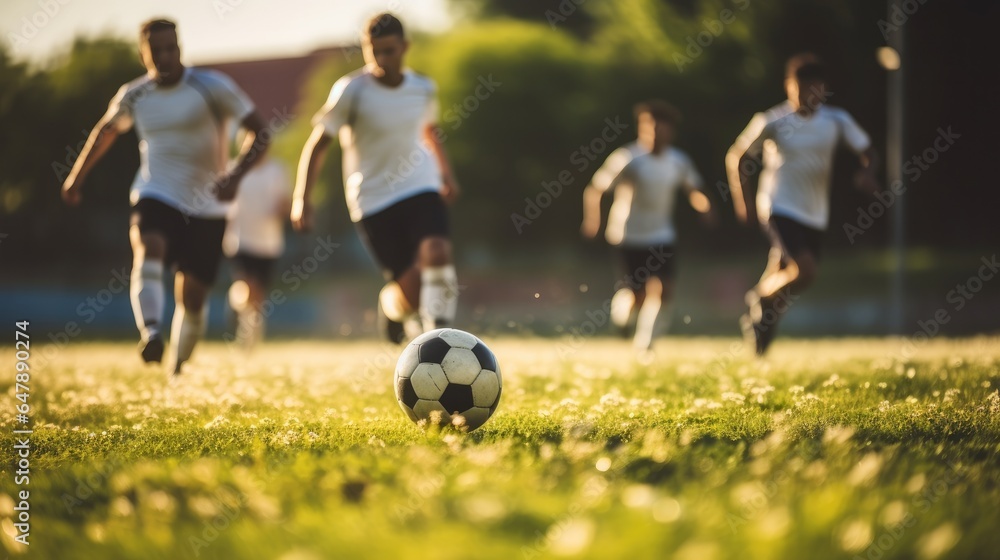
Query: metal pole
[895, 110]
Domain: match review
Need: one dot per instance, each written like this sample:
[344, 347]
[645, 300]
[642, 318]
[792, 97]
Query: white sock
[186, 330]
[438, 296]
[651, 323]
[621, 307]
[146, 293]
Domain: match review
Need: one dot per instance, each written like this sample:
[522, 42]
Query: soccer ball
[447, 373]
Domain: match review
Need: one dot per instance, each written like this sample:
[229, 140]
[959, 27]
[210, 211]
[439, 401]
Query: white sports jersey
[257, 218]
[182, 136]
[798, 157]
[381, 132]
[646, 189]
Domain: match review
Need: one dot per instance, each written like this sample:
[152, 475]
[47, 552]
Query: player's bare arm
[591, 211]
[100, 140]
[310, 164]
[450, 189]
[254, 147]
[865, 179]
[738, 161]
[702, 205]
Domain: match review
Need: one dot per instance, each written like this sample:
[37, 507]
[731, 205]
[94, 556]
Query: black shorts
[247, 266]
[194, 245]
[643, 263]
[393, 235]
[794, 238]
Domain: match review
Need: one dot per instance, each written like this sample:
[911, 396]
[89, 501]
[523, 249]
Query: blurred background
[527, 90]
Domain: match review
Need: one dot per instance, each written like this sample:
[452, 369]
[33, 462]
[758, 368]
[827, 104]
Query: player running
[397, 178]
[180, 193]
[646, 176]
[797, 139]
[254, 240]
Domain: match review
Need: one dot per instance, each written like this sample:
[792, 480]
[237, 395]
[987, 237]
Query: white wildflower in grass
[993, 402]
[759, 394]
[216, 422]
[733, 398]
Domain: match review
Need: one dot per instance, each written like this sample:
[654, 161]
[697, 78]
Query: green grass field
[830, 449]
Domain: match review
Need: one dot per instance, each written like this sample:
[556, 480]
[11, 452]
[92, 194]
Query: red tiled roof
[276, 84]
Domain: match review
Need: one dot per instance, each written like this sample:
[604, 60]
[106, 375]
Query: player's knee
[435, 251]
[654, 288]
[193, 296]
[149, 246]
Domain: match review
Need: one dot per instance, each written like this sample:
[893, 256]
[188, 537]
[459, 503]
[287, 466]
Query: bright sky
[210, 30]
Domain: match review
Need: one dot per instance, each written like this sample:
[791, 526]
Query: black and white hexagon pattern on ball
[448, 372]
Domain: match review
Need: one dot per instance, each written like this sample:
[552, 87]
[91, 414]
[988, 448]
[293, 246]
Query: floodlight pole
[895, 110]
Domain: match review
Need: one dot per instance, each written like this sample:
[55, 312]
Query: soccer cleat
[393, 331]
[151, 349]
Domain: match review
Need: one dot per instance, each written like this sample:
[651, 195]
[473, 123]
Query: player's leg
[438, 296]
[631, 293]
[247, 295]
[199, 251]
[656, 311]
[384, 237]
[792, 267]
[190, 318]
[430, 284]
[148, 238]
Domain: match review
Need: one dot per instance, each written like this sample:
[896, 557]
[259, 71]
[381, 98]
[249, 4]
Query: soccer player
[254, 240]
[180, 193]
[397, 178]
[797, 139]
[646, 177]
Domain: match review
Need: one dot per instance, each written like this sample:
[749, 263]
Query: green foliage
[47, 114]
[830, 449]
